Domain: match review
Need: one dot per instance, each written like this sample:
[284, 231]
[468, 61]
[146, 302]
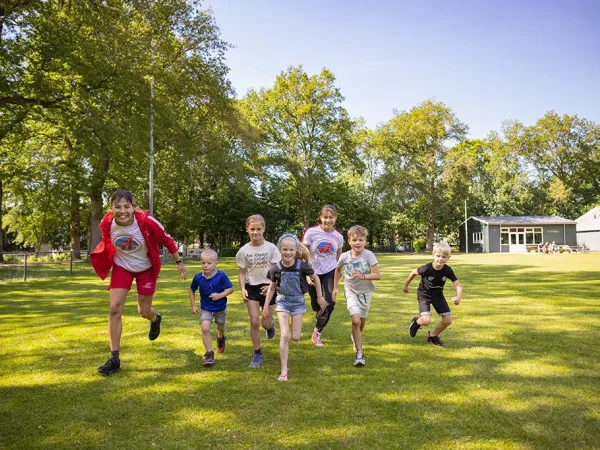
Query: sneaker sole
[359, 364]
[206, 364]
[220, 350]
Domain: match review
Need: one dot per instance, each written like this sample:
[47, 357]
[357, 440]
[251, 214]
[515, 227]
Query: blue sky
[487, 60]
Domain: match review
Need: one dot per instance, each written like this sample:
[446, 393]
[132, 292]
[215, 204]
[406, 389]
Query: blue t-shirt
[215, 284]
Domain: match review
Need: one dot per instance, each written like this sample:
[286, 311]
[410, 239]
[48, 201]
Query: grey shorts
[358, 303]
[439, 304]
[219, 316]
[292, 306]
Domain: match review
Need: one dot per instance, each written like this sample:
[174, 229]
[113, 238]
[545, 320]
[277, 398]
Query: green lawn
[520, 368]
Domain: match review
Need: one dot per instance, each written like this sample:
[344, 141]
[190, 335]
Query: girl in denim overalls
[288, 277]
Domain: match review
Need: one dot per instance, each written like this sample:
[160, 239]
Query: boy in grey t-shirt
[359, 267]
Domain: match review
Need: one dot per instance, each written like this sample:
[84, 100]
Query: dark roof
[524, 220]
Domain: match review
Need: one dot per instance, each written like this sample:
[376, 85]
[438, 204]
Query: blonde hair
[357, 229]
[301, 251]
[256, 218]
[443, 248]
[209, 252]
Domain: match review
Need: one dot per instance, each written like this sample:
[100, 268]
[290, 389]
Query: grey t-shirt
[361, 263]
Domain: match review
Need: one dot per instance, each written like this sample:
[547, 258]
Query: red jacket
[154, 233]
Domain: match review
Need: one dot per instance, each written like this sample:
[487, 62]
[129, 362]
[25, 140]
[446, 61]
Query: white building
[588, 229]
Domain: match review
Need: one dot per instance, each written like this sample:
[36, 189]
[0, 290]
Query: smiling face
[328, 219]
[256, 231]
[208, 262]
[122, 210]
[287, 248]
[357, 243]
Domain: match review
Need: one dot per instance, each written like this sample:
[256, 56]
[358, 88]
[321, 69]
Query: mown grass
[520, 368]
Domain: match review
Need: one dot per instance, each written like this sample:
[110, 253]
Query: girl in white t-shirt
[254, 261]
[325, 245]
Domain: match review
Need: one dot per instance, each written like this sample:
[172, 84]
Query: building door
[517, 240]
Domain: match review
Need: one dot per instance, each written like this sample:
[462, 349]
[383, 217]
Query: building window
[477, 238]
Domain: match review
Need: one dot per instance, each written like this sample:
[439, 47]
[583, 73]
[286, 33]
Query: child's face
[209, 264]
[357, 242]
[287, 248]
[122, 210]
[256, 231]
[439, 259]
[328, 220]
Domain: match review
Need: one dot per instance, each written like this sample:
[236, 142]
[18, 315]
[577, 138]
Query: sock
[156, 317]
[258, 352]
[114, 355]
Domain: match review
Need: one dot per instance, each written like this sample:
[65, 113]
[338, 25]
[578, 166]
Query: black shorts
[439, 304]
[255, 295]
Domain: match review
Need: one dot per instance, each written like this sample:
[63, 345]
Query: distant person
[288, 279]
[431, 293]
[214, 288]
[325, 245]
[129, 247]
[254, 261]
[359, 268]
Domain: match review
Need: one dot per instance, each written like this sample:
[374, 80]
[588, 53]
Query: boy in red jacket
[129, 246]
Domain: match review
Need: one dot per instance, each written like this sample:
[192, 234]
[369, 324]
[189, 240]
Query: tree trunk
[75, 226]
[430, 232]
[95, 219]
[99, 174]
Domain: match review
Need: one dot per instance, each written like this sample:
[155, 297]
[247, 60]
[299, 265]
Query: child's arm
[242, 281]
[336, 281]
[412, 275]
[270, 290]
[193, 302]
[218, 296]
[459, 291]
[320, 299]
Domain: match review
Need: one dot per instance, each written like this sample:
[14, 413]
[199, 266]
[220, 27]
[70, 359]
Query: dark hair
[122, 194]
[330, 208]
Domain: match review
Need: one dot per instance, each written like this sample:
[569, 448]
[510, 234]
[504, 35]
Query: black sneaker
[220, 344]
[209, 358]
[413, 327]
[109, 367]
[155, 328]
[435, 340]
[271, 332]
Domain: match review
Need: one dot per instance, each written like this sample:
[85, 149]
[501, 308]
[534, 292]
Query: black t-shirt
[302, 268]
[432, 281]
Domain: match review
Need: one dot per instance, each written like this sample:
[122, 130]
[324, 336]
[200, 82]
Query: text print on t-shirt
[258, 261]
[127, 243]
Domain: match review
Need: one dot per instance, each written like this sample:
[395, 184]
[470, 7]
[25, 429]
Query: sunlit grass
[519, 369]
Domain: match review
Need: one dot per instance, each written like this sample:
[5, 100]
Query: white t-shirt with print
[323, 247]
[257, 261]
[132, 250]
[361, 263]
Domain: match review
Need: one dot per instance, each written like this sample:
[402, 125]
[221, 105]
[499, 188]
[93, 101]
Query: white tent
[588, 229]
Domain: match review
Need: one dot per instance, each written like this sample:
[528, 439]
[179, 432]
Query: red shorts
[123, 279]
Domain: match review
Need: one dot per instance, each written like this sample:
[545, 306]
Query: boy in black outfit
[431, 292]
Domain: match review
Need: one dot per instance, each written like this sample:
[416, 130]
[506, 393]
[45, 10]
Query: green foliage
[419, 244]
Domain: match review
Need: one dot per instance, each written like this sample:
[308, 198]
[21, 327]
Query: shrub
[419, 245]
[227, 251]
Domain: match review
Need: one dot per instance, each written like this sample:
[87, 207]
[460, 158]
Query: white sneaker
[360, 359]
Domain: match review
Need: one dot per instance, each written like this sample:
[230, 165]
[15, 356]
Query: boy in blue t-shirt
[214, 288]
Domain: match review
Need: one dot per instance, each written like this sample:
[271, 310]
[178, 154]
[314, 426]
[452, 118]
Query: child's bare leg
[115, 324]
[268, 324]
[254, 313]
[284, 339]
[444, 323]
[296, 327]
[357, 332]
[424, 319]
[206, 339]
[220, 330]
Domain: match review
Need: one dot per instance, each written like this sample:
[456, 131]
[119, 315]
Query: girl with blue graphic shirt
[214, 288]
[325, 245]
[288, 279]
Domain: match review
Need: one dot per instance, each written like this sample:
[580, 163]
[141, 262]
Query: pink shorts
[123, 279]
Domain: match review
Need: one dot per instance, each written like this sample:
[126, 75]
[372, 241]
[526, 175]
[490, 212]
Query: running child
[359, 267]
[288, 278]
[129, 247]
[214, 288]
[254, 261]
[325, 245]
[431, 293]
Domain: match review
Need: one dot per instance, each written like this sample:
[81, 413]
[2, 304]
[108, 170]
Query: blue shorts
[290, 305]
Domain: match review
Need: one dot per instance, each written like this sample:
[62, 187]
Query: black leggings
[324, 314]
